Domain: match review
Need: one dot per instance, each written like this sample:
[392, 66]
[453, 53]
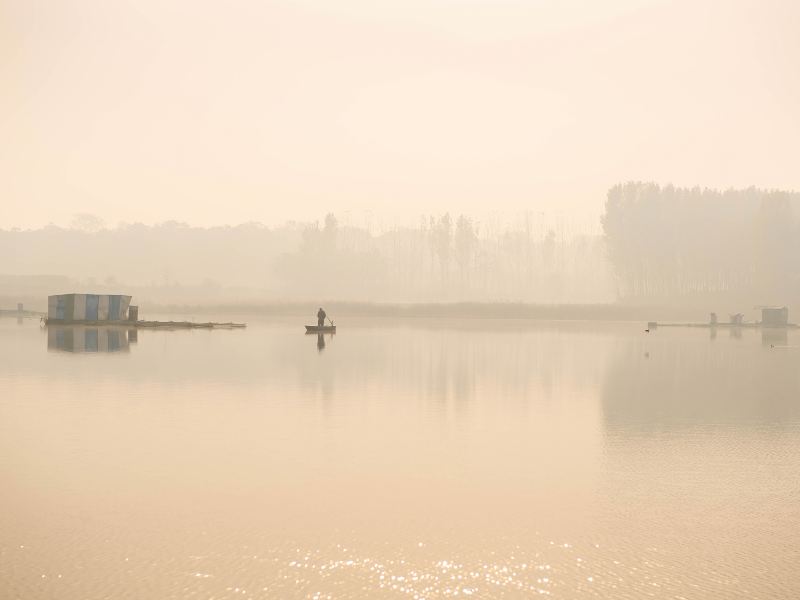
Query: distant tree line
[659, 244]
[448, 259]
[443, 258]
[675, 243]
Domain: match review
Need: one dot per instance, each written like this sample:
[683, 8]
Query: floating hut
[70, 308]
[774, 316]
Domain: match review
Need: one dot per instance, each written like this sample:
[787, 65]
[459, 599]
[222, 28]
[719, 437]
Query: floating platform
[25, 314]
[149, 324]
[187, 325]
[654, 325]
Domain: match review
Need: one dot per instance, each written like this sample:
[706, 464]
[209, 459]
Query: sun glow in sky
[211, 112]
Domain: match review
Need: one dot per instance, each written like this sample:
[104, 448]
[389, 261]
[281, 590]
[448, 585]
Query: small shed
[774, 316]
[88, 307]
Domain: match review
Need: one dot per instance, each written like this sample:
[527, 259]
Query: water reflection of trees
[450, 367]
[691, 380]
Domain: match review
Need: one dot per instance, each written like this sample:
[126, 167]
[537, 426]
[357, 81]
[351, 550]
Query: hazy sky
[223, 112]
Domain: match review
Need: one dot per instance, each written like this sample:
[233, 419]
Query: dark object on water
[320, 329]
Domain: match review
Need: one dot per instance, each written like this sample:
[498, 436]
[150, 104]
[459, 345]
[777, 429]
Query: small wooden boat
[321, 329]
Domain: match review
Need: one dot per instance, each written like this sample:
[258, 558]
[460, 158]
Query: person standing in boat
[321, 317]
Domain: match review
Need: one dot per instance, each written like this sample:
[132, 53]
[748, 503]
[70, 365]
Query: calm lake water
[418, 459]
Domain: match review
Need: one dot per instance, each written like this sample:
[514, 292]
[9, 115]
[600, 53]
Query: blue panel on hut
[91, 340]
[60, 307]
[69, 307]
[92, 303]
[113, 308]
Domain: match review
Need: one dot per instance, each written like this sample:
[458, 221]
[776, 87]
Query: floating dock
[655, 325]
[188, 325]
[772, 317]
[21, 313]
[24, 314]
[148, 324]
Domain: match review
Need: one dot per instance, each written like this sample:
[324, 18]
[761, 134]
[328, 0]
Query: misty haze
[423, 300]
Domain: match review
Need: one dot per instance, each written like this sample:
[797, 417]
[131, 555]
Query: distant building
[773, 316]
[88, 307]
